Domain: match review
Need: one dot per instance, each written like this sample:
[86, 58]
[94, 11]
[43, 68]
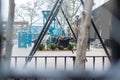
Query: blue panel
[54, 30]
[29, 38]
[22, 40]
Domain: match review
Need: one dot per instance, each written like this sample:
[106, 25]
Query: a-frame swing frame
[52, 15]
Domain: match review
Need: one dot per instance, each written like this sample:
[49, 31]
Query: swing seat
[64, 42]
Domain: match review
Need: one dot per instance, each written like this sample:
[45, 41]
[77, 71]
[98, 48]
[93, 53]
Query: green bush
[41, 47]
[52, 46]
[70, 46]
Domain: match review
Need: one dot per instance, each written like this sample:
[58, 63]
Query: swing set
[52, 17]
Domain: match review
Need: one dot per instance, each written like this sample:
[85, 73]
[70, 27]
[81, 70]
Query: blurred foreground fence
[62, 69]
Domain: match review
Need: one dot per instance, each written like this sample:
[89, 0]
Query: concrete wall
[102, 18]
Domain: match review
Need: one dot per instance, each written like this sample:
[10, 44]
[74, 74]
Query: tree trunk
[83, 34]
[9, 33]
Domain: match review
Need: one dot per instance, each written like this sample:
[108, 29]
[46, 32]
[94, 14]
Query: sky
[5, 6]
[19, 2]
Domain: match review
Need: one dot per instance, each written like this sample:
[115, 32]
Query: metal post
[55, 63]
[63, 30]
[36, 43]
[69, 24]
[45, 63]
[35, 63]
[105, 49]
[65, 60]
[54, 22]
[15, 62]
[93, 63]
[73, 63]
[103, 63]
[60, 25]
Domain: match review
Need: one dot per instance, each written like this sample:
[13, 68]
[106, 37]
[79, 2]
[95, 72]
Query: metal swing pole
[60, 25]
[69, 24]
[63, 30]
[44, 30]
[105, 49]
[94, 26]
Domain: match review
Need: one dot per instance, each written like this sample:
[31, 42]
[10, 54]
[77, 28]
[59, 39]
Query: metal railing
[60, 62]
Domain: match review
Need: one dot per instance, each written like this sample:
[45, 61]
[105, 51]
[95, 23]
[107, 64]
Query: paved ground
[60, 61]
[25, 52]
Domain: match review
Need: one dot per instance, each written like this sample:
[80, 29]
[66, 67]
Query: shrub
[41, 47]
[70, 46]
[52, 46]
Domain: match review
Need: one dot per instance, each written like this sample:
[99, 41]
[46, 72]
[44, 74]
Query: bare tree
[30, 11]
[71, 8]
[83, 34]
[9, 33]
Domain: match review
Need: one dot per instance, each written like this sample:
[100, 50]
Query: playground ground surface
[25, 52]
